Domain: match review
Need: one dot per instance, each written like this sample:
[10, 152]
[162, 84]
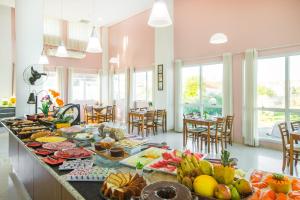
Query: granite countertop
[89, 190]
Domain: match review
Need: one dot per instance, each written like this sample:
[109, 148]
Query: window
[85, 87]
[143, 86]
[52, 31]
[119, 85]
[78, 35]
[278, 93]
[202, 89]
[51, 81]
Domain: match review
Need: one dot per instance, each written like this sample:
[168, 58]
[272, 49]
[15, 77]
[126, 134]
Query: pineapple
[224, 172]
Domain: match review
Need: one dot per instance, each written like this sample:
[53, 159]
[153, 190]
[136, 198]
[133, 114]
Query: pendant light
[43, 58]
[61, 50]
[218, 38]
[159, 16]
[94, 45]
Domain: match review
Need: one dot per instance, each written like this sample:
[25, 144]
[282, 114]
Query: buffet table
[46, 182]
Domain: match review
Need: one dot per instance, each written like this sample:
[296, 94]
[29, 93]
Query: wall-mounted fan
[34, 75]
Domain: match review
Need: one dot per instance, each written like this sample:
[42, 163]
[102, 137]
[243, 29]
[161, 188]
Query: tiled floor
[249, 157]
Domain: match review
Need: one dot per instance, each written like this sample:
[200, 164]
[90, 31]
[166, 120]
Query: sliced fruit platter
[274, 186]
[74, 153]
[144, 157]
[56, 146]
[170, 160]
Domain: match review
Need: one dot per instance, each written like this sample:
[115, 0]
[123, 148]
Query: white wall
[5, 52]
[164, 54]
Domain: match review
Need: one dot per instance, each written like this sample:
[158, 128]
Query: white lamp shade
[61, 50]
[43, 60]
[94, 43]
[218, 38]
[159, 16]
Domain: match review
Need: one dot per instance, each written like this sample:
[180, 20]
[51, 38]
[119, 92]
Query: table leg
[291, 155]
[208, 138]
[143, 126]
[128, 123]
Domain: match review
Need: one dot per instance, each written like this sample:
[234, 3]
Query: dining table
[200, 122]
[294, 136]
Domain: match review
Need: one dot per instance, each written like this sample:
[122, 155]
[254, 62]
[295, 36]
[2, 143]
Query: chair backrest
[160, 114]
[109, 110]
[220, 125]
[229, 124]
[88, 109]
[134, 109]
[149, 116]
[285, 135]
[189, 115]
[295, 126]
[144, 109]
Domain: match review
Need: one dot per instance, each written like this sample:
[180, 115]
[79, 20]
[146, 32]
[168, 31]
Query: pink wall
[260, 24]
[248, 24]
[140, 49]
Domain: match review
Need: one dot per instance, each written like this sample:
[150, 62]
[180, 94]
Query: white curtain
[78, 35]
[250, 132]
[127, 93]
[111, 86]
[60, 73]
[154, 85]
[100, 86]
[131, 87]
[52, 31]
[70, 87]
[178, 96]
[227, 85]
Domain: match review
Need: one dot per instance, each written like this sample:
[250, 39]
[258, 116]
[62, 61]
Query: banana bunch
[188, 169]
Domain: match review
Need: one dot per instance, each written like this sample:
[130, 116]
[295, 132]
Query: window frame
[287, 110]
[199, 103]
[147, 86]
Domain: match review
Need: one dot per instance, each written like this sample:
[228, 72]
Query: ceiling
[108, 11]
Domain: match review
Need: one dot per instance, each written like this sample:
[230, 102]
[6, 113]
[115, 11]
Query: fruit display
[274, 186]
[212, 180]
[144, 157]
[123, 186]
[170, 160]
[74, 153]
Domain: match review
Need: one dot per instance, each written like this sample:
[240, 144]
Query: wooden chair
[285, 137]
[109, 114]
[216, 135]
[228, 130]
[89, 114]
[160, 120]
[144, 109]
[295, 126]
[148, 123]
[134, 120]
[192, 131]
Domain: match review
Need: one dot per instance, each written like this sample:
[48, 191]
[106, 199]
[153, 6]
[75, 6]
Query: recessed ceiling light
[218, 38]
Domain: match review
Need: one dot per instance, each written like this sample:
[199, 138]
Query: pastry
[123, 186]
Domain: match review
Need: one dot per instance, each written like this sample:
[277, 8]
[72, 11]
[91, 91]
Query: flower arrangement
[47, 102]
